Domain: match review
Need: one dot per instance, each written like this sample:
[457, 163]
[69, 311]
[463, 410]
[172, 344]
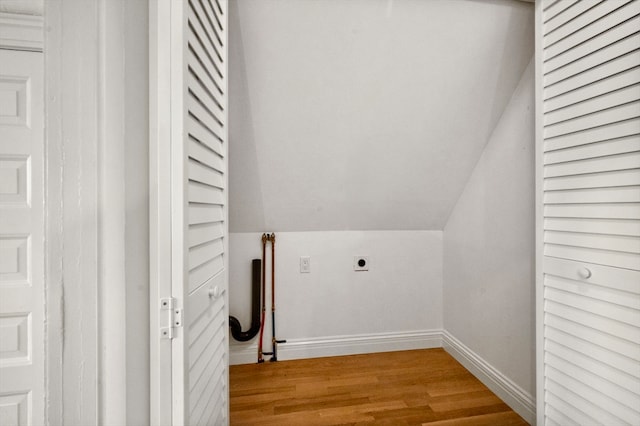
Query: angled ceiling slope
[365, 114]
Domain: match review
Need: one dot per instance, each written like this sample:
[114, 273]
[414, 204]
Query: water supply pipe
[263, 296]
[274, 340]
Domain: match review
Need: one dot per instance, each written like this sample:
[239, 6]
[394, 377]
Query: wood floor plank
[424, 387]
[506, 418]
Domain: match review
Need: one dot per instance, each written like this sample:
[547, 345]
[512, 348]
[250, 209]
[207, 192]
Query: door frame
[160, 214]
[539, 217]
[85, 212]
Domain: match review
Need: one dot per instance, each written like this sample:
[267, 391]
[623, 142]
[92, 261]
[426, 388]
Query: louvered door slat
[620, 350]
[199, 234]
[596, 58]
[588, 352]
[202, 173]
[626, 401]
[591, 255]
[590, 400]
[556, 418]
[598, 134]
[199, 58]
[614, 328]
[585, 364]
[599, 149]
[198, 109]
[622, 314]
[569, 11]
[599, 41]
[593, 180]
[627, 194]
[553, 8]
[577, 96]
[204, 253]
[594, 226]
[204, 153]
[204, 86]
[599, 103]
[602, 117]
[202, 46]
[601, 293]
[201, 193]
[202, 274]
[198, 84]
[204, 213]
[593, 75]
[208, 152]
[595, 211]
[601, 27]
[589, 231]
[596, 241]
[197, 66]
[625, 161]
[573, 26]
[203, 13]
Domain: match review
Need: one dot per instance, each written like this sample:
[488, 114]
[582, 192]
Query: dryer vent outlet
[361, 263]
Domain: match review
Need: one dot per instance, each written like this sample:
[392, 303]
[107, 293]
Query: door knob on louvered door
[584, 273]
[215, 292]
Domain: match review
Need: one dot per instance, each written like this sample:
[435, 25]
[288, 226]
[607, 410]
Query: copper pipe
[274, 340]
[262, 297]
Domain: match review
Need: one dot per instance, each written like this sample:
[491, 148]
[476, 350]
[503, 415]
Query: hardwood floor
[394, 388]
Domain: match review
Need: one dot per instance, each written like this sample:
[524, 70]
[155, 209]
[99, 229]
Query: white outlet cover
[361, 263]
[305, 264]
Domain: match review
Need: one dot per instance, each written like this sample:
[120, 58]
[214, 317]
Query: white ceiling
[365, 114]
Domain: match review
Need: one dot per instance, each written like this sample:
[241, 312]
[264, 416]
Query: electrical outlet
[361, 263]
[305, 264]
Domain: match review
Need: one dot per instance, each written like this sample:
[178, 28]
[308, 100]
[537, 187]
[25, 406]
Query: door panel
[192, 232]
[205, 169]
[21, 238]
[589, 206]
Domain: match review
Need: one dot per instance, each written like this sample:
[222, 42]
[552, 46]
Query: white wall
[365, 114]
[489, 248]
[401, 292]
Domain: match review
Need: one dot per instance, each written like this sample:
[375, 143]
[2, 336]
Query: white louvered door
[200, 348]
[197, 195]
[589, 212]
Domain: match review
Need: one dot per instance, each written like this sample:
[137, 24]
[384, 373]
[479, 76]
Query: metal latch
[173, 318]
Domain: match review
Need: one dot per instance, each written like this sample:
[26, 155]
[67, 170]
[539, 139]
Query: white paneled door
[189, 208]
[21, 238]
[589, 212]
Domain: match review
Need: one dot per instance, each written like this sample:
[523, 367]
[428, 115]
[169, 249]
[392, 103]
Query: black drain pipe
[234, 324]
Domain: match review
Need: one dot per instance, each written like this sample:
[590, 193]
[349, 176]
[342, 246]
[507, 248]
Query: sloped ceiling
[365, 114]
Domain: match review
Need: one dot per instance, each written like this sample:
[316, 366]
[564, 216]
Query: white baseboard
[513, 395]
[340, 345]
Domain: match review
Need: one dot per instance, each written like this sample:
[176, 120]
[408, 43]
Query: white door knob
[584, 273]
[215, 292]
